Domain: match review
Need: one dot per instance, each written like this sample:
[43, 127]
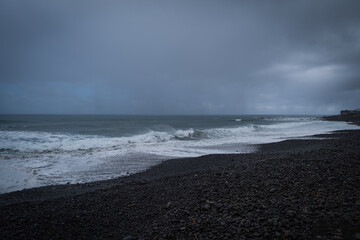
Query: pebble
[187, 212]
[357, 236]
[272, 190]
[206, 206]
[129, 238]
[291, 213]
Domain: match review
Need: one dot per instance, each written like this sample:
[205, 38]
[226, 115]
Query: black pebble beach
[295, 189]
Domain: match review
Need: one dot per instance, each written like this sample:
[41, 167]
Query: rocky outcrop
[350, 113]
[352, 116]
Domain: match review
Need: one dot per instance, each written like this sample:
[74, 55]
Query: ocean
[41, 150]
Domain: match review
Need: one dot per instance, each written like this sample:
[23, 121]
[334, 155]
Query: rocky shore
[351, 116]
[295, 189]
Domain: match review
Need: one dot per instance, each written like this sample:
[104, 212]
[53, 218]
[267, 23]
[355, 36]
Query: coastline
[291, 189]
[351, 119]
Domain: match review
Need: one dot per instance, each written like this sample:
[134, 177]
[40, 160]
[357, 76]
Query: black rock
[357, 235]
[129, 238]
[291, 213]
[272, 190]
[206, 206]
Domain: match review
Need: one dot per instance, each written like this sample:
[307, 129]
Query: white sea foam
[29, 159]
[183, 134]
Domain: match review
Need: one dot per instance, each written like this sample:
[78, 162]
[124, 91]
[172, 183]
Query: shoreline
[229, 196]
[165, 168]
[64, 185]
[17, 178]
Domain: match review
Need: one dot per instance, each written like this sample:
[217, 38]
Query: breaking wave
[237, 120]
[57, 143]
[35, 158]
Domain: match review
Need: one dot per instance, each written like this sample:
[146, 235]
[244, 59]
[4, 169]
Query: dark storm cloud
[179, 57]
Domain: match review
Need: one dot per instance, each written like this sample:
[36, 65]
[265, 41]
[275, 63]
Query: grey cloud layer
[179, 57]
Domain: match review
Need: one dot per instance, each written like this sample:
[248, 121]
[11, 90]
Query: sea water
[40, 150]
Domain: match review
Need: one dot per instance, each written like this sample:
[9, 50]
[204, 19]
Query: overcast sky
[179, 57]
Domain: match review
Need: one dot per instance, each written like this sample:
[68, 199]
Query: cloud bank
[179, 57]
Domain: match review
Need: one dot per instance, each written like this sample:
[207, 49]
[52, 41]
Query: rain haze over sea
[179, 57]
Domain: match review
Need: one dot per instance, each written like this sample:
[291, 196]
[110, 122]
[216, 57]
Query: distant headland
[347, 116]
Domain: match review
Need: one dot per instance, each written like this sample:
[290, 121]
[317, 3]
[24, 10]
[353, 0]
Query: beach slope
[297, 189]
